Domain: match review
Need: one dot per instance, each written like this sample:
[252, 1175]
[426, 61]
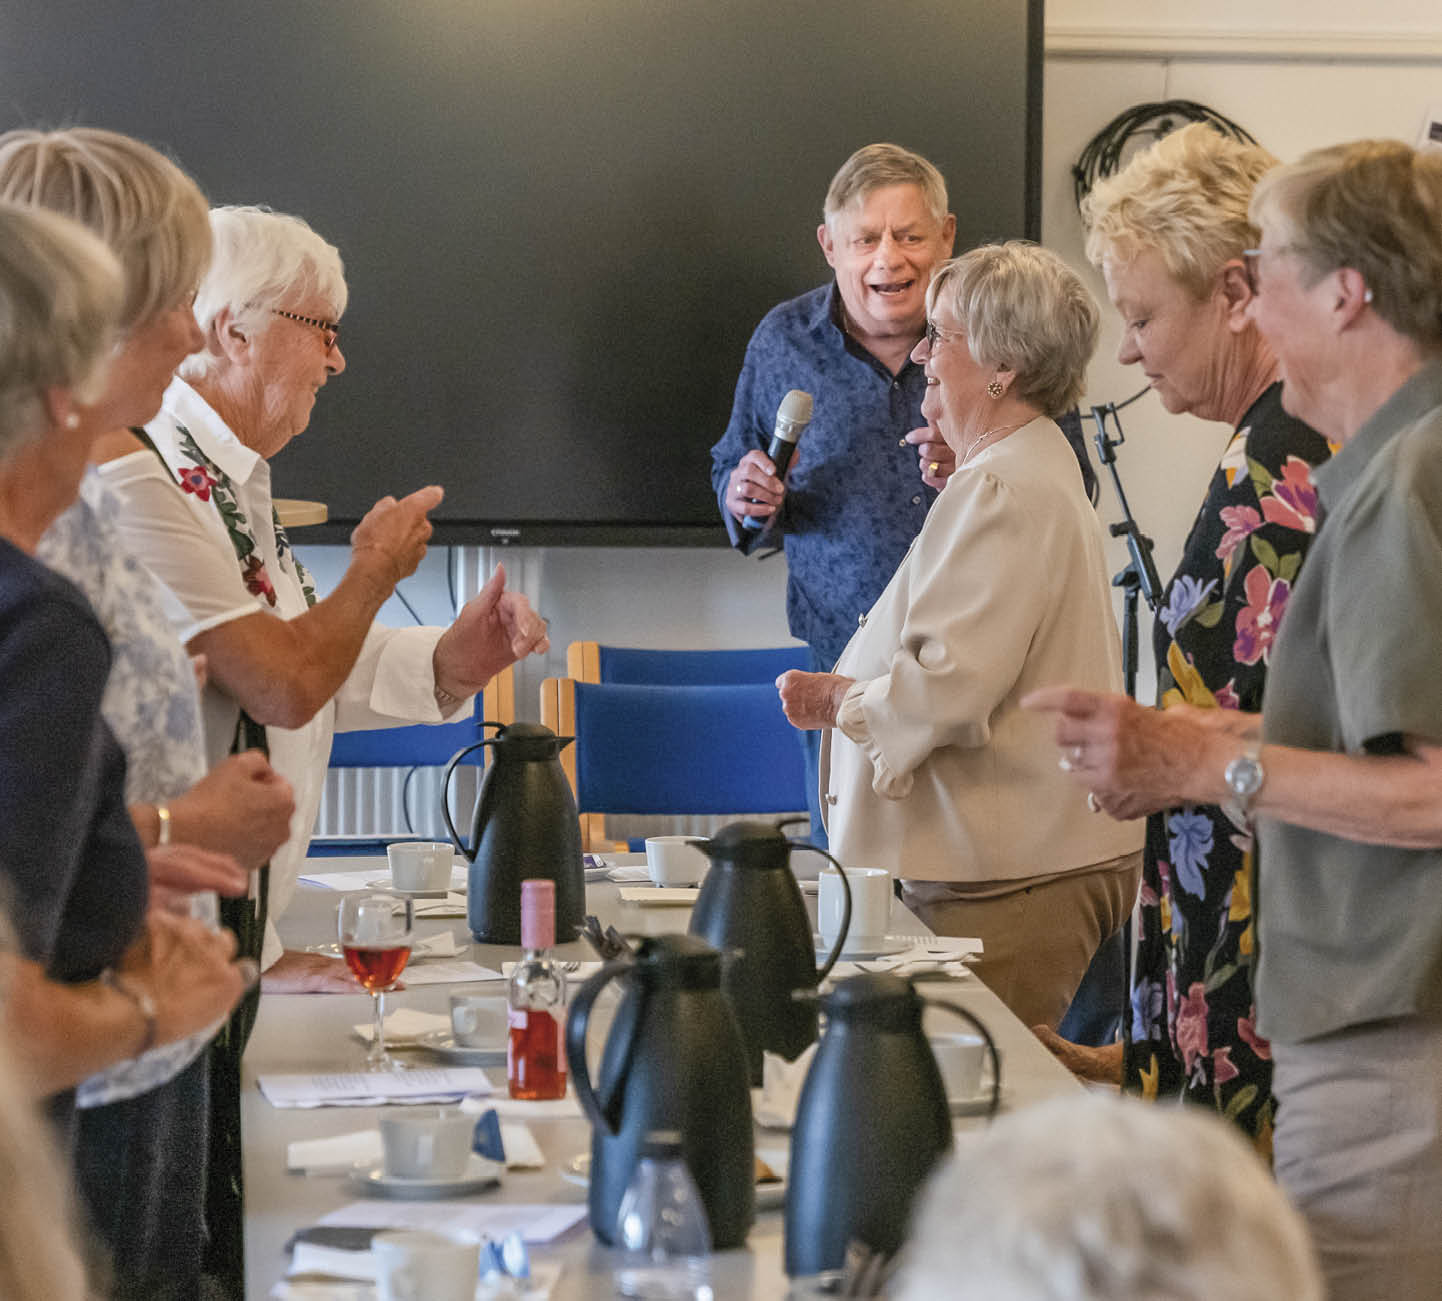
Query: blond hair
[1185, 198]
[1024, 310]
[60, 294]
[1374, 206]
[874, 167]
[141, 204]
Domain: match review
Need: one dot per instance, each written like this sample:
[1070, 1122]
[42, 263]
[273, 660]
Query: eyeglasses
[935, 335]
[330, 329]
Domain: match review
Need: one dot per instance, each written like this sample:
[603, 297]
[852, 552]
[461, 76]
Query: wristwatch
[1244, 776]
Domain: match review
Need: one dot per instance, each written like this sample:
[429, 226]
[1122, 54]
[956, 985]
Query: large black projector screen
[560, 219]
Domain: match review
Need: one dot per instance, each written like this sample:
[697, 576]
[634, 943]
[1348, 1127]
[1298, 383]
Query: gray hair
[1186, 198]
[1024, 310]
[261, 259]
[141, 204]
[1096, 1198]
[61, 292]
[1374, 206]
[874, 167]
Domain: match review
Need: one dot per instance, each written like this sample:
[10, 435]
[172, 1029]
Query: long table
[312, 1033]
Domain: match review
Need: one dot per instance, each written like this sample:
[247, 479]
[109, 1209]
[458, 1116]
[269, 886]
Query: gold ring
[933, 467]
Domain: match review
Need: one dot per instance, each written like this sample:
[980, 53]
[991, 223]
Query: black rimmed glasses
[330, 329]
[935, 334]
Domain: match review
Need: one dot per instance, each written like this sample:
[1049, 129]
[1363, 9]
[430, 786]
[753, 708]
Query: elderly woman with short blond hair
[1343, 779]
[929, 768]
[1169, 233]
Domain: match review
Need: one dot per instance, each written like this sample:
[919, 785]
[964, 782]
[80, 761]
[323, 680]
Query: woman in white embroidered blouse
[929, 768]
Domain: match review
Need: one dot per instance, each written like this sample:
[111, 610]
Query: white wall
[1296, 73]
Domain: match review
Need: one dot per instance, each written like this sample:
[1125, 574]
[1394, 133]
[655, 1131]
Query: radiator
[394, 802]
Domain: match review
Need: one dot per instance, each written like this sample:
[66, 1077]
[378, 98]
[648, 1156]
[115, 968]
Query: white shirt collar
[212, 435]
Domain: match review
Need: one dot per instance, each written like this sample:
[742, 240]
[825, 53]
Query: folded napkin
[566, 1108]
[629, 875]
[350, 1276]
[774, 1103]
[453, 905]
[931, 955]
[340, 1153]
[405, 1026]
[675, 896]
[440, 945]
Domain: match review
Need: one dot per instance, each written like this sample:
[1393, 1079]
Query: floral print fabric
[1190, 1033]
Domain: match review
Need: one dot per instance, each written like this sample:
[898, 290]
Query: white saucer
[370, 1177]
[891, 944]
[769, 1196]
[383, 884]
[443, 1044]
[978, 1104]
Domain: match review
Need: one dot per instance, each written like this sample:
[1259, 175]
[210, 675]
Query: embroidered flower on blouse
[1292, 501]
[198, 480]
[1247, 1030]
[257, 581]
[1258, 622]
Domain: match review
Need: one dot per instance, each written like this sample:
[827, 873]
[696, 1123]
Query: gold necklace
[991, 433]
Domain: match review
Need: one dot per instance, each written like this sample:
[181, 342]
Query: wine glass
[375, 936]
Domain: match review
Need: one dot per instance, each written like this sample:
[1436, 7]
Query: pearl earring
[72, 421]
[995, 388]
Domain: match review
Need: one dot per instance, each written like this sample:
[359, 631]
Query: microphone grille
[796, 407]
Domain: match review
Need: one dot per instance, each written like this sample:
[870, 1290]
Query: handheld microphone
[792, 416]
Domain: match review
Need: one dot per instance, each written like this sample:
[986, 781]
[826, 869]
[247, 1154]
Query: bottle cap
[538, 914]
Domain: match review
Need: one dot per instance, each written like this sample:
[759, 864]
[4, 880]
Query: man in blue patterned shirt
[852, 500]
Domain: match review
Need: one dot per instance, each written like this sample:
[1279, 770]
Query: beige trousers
[1038, 941]
[1358, 1148]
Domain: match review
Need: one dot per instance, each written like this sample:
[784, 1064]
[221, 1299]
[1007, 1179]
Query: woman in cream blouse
[928, 766]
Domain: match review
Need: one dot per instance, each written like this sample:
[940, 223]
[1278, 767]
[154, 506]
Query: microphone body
[792, 417]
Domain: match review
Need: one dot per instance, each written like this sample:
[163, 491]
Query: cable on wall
[1106, 152]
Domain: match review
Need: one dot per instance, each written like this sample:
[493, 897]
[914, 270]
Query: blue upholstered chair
[589, 661]
[677, 750]
[418, 746]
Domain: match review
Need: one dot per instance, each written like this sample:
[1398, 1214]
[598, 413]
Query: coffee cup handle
[975, 1023]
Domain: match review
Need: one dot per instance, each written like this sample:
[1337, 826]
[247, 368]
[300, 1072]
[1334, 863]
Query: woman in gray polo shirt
[1346, 787]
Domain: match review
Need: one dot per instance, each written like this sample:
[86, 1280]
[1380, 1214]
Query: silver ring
[1077, 755]
[1065, 764]
[1093, 803]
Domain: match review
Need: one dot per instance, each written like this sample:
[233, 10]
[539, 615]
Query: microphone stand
[1140, 575]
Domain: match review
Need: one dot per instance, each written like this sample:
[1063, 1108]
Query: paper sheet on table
[366, 1089]
[311, 1258]
[534, 1223]
[673, 896]
[441, 971]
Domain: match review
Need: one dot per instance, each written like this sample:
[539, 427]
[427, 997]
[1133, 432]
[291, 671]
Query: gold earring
[995, 388]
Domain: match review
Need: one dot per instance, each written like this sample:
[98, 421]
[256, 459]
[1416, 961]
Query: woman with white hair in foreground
[1096, 1198]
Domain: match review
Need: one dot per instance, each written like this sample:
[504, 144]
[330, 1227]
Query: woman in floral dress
[1170, 234]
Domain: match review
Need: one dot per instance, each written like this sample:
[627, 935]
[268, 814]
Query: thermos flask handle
[446, 790]
[845, 908]
[576, 1022]
[976, 1024]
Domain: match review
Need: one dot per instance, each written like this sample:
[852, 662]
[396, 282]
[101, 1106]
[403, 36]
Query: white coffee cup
[960, 1056]
[675, 860]
[418, 1265]
[870, 907]
[426, 1142]
[420, 865]
[478, 1021]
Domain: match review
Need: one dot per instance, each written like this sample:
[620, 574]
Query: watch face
[1244, 777]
